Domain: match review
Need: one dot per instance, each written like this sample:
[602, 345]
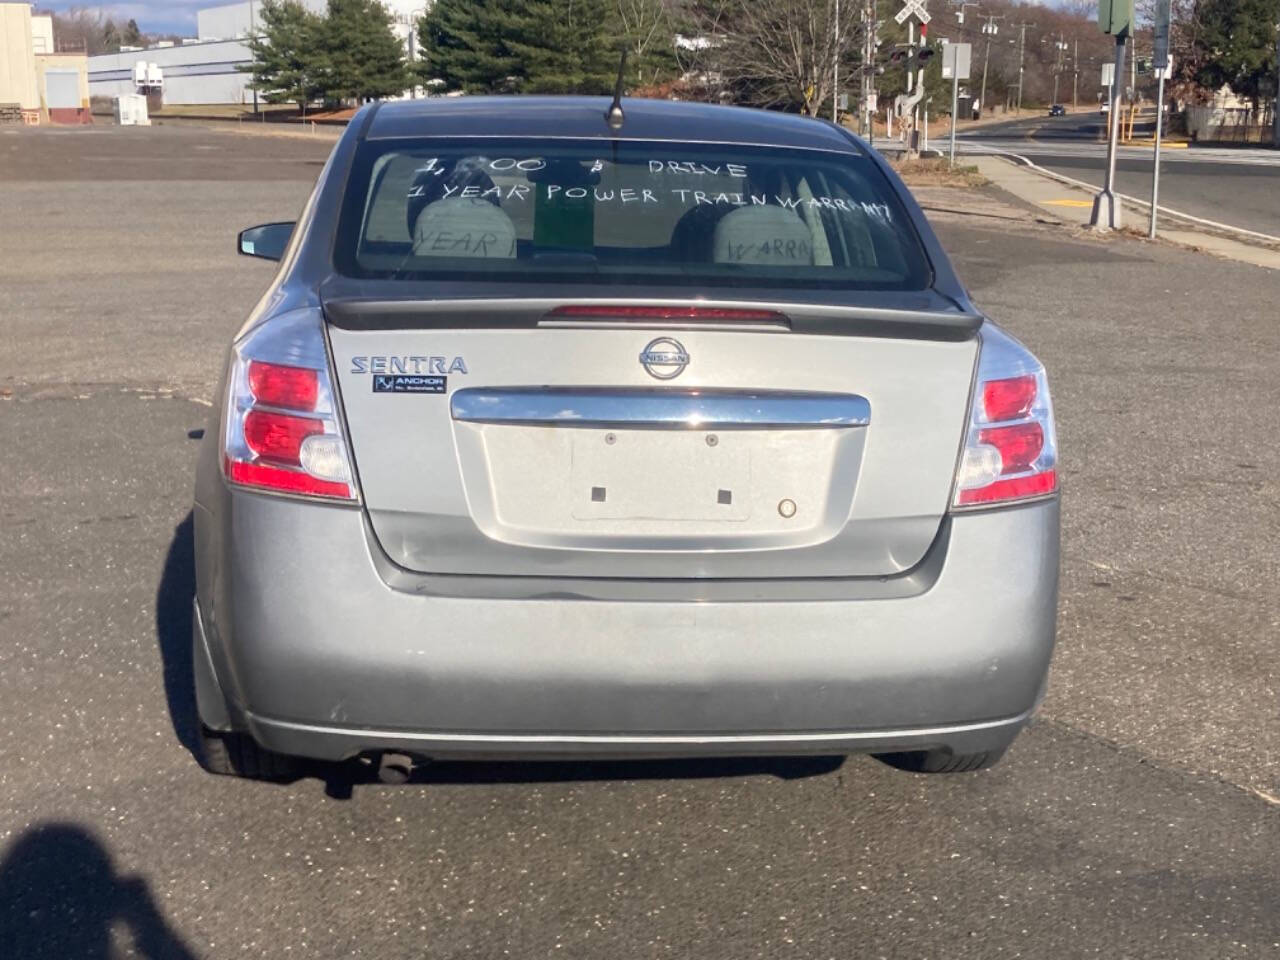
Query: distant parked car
[556, 436]
[1057, 110]
[1106, 108]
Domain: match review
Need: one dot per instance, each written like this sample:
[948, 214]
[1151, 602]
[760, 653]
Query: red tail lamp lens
[666, 312]
[1008, 399]
[1014, 488]
[287, 481]
[278, 436]
[1019, 445]
[276, 385]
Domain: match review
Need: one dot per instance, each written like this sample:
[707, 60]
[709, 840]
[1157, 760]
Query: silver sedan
[569, 432]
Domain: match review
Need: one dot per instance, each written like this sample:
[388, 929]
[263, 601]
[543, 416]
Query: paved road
[1129, 821]
[1240, 187]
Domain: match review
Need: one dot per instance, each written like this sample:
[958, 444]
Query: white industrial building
[204, 70]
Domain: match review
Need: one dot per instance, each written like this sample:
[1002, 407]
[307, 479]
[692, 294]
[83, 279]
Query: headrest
[464, 227]
[764, 235]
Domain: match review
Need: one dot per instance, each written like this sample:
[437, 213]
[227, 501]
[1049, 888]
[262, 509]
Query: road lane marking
[1067, 203]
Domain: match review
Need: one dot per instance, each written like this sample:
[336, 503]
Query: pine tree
[462, 47]
[131, 36]
[531, 46]
[1237, 46]
[110, 36]
[288, 57]
[562, 46]
[363, 58]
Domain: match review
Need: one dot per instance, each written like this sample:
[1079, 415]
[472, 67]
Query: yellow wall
[17, 62]
[64, 61]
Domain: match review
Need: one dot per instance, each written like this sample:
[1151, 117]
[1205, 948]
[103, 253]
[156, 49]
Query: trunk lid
[492, 438]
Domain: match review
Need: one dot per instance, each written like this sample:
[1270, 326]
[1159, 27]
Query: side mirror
[267, 241]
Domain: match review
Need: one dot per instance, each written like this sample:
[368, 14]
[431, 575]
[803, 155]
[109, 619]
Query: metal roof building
[205, 70]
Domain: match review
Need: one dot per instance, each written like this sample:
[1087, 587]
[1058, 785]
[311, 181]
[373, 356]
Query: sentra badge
[408, 364]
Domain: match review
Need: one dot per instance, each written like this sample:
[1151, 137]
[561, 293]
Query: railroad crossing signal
[913, 8]
[914, 58]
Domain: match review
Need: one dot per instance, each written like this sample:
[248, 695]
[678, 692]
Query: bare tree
[699, 53]
[80, 28]
[644, 23]
[784, 52]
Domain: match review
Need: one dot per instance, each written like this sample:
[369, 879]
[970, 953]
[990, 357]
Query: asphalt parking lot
[1139, 816]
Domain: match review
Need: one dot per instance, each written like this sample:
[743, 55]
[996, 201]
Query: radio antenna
[614, 116]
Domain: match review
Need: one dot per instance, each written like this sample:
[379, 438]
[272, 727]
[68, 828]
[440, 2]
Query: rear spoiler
[649, 313]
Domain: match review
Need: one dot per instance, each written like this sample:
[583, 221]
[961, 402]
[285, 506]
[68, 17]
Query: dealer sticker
[408, 383]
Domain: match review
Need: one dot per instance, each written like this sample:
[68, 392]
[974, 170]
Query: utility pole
[868, 66]
[835, 70]
[1275, 107]
[1075, 76]
[990, 29]
[1060, 46]
[1022, 46]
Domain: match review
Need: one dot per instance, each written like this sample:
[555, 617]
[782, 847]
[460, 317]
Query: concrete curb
[1220, 239]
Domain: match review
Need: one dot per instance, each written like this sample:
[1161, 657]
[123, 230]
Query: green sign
[1115, 16]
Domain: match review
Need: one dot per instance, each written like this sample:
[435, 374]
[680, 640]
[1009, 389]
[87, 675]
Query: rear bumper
[336, 743]
[304, 643]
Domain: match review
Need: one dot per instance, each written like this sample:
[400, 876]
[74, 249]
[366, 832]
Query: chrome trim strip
[659, 409]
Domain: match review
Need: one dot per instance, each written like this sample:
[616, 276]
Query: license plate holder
[661, 475]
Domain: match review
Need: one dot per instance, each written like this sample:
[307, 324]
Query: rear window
[621, 212]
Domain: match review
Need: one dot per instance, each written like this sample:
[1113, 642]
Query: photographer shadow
[60, 896]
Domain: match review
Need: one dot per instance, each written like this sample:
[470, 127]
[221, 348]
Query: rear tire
[238, 755]
[941, 761]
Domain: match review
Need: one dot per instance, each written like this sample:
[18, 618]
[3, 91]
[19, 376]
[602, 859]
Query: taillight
[666, 313]
[282, 430]
[1011, 450]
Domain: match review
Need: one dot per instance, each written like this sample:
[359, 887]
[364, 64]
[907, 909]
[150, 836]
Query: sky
[153, 16]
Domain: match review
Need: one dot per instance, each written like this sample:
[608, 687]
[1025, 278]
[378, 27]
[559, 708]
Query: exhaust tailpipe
[395, 767]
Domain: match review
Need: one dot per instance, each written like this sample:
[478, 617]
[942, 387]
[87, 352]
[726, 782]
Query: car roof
[584, 117]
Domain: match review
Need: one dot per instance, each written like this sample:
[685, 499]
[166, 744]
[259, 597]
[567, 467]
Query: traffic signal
[911, 57]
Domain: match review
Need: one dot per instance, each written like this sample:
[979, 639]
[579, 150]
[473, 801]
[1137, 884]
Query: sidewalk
[1071, 206]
